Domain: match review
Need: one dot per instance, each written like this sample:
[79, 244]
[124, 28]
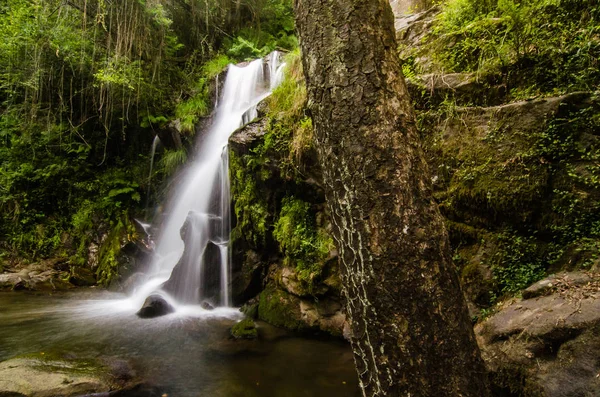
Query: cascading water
[275, 69]
[199, 211]
[155, 143]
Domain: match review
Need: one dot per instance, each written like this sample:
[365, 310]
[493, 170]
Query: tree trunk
[411, 332]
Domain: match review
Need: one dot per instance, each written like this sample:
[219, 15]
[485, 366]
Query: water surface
[188, 353]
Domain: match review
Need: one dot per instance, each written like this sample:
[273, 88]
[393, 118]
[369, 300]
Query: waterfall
[199, 210]
[275, 70]
[155, 143]
[217, 92]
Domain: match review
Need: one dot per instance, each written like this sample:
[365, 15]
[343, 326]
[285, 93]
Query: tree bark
[411, 332]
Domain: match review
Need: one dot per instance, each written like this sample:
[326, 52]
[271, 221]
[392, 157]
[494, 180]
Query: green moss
[108, 264]
[303, 244]
[250, 205]
[278, 308]
[245, 329]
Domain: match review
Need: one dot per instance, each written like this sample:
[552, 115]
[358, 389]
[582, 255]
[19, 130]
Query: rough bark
[411, 332]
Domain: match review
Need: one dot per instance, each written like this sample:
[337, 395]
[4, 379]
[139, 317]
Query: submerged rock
[155, 306]
[245, 329]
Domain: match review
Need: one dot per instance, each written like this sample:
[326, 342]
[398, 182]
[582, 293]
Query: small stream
[182, 354]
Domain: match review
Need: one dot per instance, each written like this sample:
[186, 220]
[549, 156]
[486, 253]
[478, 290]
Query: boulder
[547, 345]
[155, 306]
[49, 375]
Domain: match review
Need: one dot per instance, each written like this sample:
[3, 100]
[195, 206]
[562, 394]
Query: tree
[411, 332]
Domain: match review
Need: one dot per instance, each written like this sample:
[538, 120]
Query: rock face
[259, 274]
[547, 345]
[155, 306]
[42, 376]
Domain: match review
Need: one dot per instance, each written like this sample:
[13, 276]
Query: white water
[275, 70]
[155, 143]
[204, 194]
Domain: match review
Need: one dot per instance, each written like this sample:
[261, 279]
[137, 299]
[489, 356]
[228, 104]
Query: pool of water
[188, 353]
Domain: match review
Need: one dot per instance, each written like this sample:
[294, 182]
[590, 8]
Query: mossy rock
[245, 329]
[48, 374]
[281, 309]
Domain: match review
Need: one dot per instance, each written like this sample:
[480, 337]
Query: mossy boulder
[245, 329]
[307, 315]
[281, 309]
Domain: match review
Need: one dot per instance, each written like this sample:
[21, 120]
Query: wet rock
[248, 134]
[547, 345]
[155, 306]
[247, 279]
[209, 279]
[207, 306]
[210, 286]
[245, 329]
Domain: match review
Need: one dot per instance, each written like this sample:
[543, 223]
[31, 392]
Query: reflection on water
[188, 353]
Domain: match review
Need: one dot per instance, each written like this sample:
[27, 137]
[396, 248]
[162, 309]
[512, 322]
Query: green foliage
[196, 105]
[171, 160]
[215, 66]
[546, 44]
[304, 245]
[517, 263]
[84, 88]
[108, 263]
[275, 31]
